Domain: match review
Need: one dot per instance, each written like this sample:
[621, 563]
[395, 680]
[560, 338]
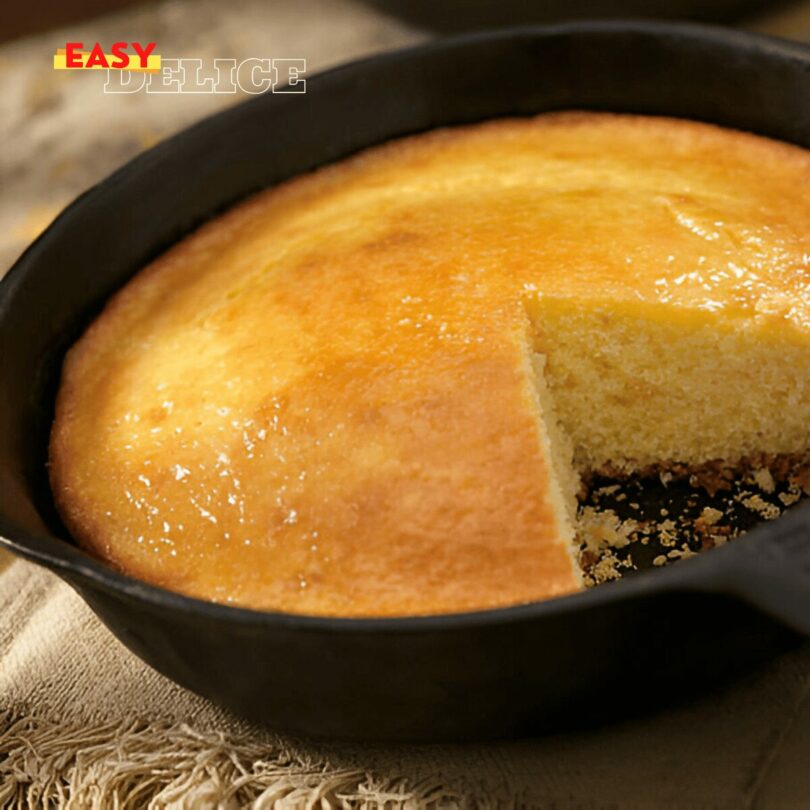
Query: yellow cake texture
[371, 391]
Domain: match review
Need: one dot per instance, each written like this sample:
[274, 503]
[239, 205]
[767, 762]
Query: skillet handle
[770, 569]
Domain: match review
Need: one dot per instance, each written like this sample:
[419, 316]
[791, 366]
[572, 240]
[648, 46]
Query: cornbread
[373, 390]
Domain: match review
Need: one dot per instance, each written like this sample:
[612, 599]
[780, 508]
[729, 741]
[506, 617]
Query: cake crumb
[790, 497]
[710, 516]
[655, 516]
[606, 569]
[683, 553]
[602, 528]
[764, 480]
[756, 503]
[600, 533]
[668, 532]
[608, 490]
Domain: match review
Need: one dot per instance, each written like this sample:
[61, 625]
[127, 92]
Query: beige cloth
[84, 724]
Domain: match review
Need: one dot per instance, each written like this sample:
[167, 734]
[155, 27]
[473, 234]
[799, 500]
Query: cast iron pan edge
[769, 569]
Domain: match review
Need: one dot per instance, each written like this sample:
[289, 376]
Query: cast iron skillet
[499, 672]
[455, 16]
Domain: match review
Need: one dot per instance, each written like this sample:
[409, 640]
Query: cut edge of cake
[564, 336]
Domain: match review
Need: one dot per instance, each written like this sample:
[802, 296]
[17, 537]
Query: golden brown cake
[370, 391]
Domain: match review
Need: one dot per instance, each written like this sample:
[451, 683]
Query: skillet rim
[82, 570]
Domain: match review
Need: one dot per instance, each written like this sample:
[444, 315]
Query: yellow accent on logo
[133, 62]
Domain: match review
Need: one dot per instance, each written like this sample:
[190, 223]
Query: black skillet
[500, 672]
[455, 16]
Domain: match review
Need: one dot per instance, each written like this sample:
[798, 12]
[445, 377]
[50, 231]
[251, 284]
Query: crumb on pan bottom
[667, 512]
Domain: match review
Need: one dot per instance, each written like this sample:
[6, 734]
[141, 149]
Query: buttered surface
[321, 401]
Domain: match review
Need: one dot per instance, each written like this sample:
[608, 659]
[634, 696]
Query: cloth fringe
[170, 766]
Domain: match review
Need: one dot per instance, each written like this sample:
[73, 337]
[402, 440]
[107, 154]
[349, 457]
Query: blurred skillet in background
[19, 19]
[452, 16]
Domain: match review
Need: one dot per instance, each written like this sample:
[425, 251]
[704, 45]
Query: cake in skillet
[372, 390]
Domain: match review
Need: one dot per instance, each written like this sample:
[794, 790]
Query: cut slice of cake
[641, 384]
[373, 390]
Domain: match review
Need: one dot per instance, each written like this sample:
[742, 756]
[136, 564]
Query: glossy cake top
[322, 400]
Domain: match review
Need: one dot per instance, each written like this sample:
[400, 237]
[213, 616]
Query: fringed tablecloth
[85, 724]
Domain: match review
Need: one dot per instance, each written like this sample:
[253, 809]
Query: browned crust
[718, 474]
